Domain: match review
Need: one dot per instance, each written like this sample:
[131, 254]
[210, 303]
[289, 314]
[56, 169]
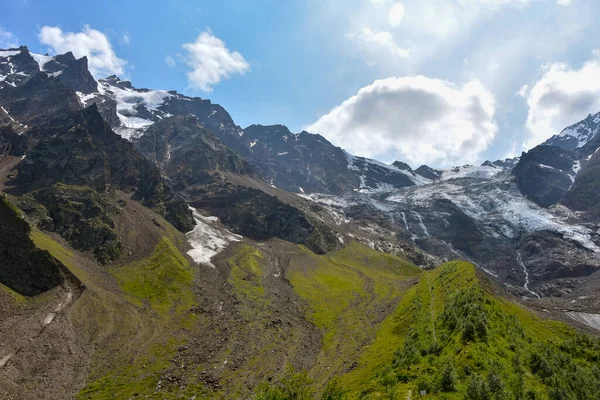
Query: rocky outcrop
[255, 214]
[550, 256]
[38, 100]
[81, 149]
[545, 174]
[187, 152]
[429, 173]
[584, 194]
[82, 216]
[23, 267]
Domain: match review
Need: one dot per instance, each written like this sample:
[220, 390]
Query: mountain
[153, 248]
[577, 135]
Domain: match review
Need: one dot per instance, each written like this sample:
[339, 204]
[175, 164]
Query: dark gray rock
[545, 174]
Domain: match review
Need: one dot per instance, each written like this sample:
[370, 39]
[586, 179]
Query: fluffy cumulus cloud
[90, 43]
[561, 97]
[211, 61]
[414, 119]
[7, 39]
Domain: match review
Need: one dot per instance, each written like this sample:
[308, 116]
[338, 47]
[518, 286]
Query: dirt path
[48, 319]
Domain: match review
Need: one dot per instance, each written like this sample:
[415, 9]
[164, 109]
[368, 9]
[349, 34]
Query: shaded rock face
[584, 195]
[299, 162]
[73, 73]
[429, 173]
[577, 135]
[41, 98]
[23, 267]
[253, 213]
[20, 67]
[81, 149]
[550, 256]
[212, 116]
[82, 217]
[187, 152]
[17, 69]
[545, 174]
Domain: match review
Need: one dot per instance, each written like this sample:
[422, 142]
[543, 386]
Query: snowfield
[208, 240]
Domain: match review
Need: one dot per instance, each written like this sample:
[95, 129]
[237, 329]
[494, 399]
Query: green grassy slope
[349, 293]
[162, 287]
[456, 340]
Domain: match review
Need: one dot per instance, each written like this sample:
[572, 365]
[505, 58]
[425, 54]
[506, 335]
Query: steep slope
[478, 213]
[23, 267]
[299, 163]
[454, 337]
[187, 152]
[577, 135]
[546, 173]
[80, 150]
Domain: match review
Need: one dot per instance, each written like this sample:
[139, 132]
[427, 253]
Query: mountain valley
[152, 248]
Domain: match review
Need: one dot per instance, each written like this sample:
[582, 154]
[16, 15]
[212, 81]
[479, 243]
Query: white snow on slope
[497, 204]
[354, 165]
[470, 171]
[207, 240]
[9, 53]
[127, 101]
[591, 320]
[41, 60]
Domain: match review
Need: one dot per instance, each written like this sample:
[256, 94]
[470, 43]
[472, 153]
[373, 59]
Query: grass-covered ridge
[453, 338]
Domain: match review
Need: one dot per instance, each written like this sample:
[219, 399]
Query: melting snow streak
[207, 241]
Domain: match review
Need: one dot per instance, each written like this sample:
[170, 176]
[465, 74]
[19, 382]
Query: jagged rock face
[507, 163]
[576, 135]
[23, 267]
[551, 256]
[545, 174]
[584, 194]
[73, 73]
[17, 66]
[38, 100]
[187, 152]
[212, 116]
[253, 213]
[476, 215]
[299, 162]
[81, 149]
[429, 173]
[82, 216]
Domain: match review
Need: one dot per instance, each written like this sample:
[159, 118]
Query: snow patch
[9, 53]
[41, 60]
[591, 320]
[206, 240]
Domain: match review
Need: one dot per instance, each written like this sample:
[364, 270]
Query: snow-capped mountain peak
[577, 135]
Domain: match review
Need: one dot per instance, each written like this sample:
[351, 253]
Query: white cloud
[563, 2]
[91, 43]
[211, 61]
[126, 39]
[378, 46]
[562, 97]
[414, 119]
[7, 39]
[396, 14]
[170, 61]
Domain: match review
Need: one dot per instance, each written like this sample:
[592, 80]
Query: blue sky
[441, 82]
